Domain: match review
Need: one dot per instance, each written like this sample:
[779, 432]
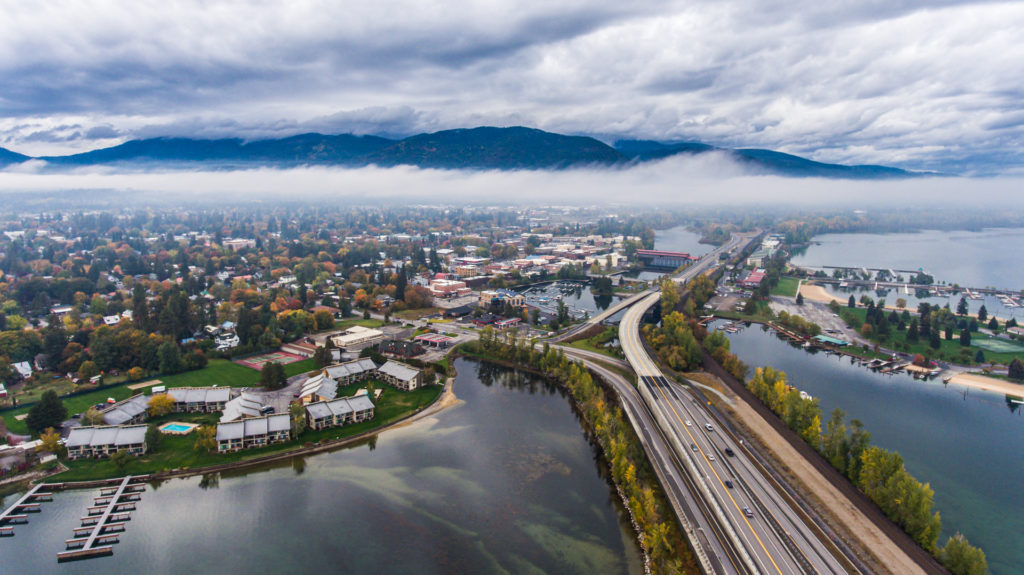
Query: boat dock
[104, 521]
[18, 513]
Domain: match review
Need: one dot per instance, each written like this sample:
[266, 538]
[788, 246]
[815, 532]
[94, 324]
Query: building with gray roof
[199, 399]
[126, 412]
[400, 375]
[253, 432]
[352, 371]
[244, 405]
[341, 411]
[103, 441]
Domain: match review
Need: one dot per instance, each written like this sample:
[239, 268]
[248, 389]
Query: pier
[18, 513]
[104, 521]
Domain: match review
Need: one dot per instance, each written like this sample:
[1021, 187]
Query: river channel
[967, 443]
[505, 482]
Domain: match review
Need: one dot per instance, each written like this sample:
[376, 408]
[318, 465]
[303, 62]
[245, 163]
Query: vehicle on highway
[693, 446]
[689, 423]
[708, 427]
[711, 457]
[747, 511]
[730, 452]
[728, 483]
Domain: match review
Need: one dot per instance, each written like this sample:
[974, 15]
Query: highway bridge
[747, 525]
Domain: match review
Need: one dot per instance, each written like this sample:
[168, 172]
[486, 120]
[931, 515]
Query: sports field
[998, 345]
[258, 361]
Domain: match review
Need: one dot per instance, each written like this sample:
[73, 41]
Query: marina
[104, 522]
[18, 513]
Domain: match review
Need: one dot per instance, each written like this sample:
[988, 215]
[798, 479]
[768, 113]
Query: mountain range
[487, 148]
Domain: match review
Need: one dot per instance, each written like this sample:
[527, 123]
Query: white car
[689, 423]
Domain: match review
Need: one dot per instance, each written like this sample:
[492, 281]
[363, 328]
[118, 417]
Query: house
[243, 406]
[341, 411]
[255, 432]
[398, 348]
[226, 340]
[23, 368]
[104, 441]
[200, 399]
[484, 319]
[400, 375]
[352, 371]
[135, 409]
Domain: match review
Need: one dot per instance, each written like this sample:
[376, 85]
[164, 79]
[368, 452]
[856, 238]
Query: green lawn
[177, 451]
[949, 349]
[347, 323]
[786, 287]
[418, 313]
[218, 372]
[299, 367]
[596, 343]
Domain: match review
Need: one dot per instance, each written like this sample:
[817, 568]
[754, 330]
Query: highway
[759, 532]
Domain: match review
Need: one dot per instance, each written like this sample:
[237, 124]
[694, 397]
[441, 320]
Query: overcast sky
[921, 85]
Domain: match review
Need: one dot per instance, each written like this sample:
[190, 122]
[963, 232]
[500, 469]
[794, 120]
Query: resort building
[135, 409]
[352, 371]
[400, 375]
[103, 441]
[318, 388]
[341, 411]
[254, 432]
[400, 348]
[200, 399]
[241, 407]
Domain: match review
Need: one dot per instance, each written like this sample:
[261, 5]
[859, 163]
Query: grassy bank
[786, 287]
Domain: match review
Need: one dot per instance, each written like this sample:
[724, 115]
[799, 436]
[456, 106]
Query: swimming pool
[177, 428]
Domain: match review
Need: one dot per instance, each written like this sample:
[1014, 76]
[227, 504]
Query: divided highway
[753, 527]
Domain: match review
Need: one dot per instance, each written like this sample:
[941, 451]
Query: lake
[506, 482]
[677, 239]
[967, 443]
[974, 259]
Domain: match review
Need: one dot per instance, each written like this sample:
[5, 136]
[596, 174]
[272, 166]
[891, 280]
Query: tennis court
[258, 361]
[997, 345]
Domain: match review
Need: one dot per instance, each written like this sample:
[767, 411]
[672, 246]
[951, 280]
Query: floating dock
[18, 513]
[104, 522]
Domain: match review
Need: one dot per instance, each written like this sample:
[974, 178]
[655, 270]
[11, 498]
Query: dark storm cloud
[925, 85]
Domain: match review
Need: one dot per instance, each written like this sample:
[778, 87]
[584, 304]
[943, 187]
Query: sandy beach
[992, 384]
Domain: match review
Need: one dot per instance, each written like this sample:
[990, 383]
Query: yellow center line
[720, 481]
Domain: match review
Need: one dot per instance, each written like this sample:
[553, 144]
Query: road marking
[721, 482]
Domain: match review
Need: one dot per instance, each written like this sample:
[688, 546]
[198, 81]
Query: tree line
[877, 472]
[631, 471]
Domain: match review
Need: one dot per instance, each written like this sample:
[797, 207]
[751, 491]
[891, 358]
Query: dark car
[693, 446]
[728, 483]
[730, 452]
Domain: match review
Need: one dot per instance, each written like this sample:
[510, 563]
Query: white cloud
[707, 179]
[927, 85]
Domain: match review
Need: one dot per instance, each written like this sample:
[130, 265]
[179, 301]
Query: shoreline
[444, 400]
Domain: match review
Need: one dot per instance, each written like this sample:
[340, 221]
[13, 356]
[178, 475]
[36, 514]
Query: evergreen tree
[993, 324]
[48, 412]
[982, 313]
[799, 298]
[272, 376]
[169, 357]
[1016, 369]
[961, 306]
[934, 341]
[912, 331]
[965, 337]
[851, 303]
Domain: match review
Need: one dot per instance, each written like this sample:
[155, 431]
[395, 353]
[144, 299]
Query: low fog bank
[708, 179]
